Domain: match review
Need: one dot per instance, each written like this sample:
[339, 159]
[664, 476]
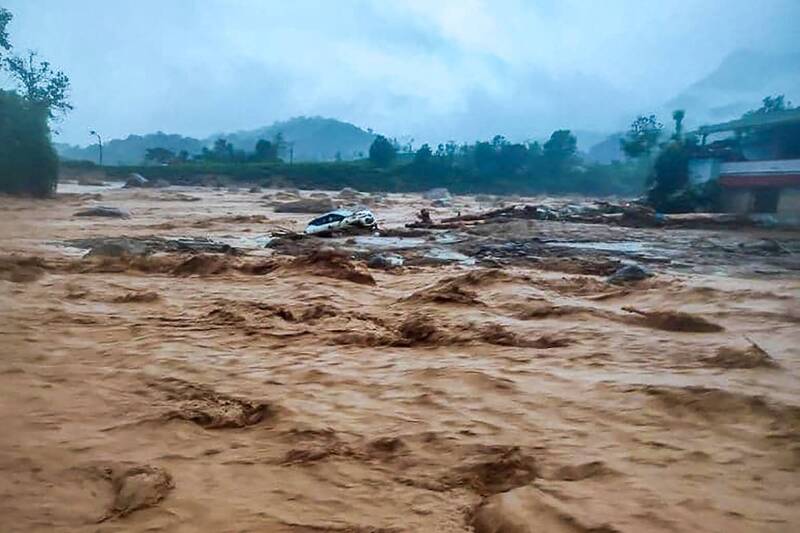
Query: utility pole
[99, 143]
[291, 153]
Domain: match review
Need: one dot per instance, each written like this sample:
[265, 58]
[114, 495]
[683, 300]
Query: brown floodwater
[305, 393]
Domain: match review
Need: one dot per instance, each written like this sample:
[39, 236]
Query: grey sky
[434, 70]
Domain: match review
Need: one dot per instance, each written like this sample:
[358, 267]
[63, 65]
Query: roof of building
[756, 120]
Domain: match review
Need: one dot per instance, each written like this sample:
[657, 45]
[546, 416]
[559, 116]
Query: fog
[455, 69]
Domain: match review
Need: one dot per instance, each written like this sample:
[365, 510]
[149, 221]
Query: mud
[250, 379]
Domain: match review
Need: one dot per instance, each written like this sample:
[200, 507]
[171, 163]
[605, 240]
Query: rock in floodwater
[136, 180]
[765, 246]
[385, 261]
[629, 273]
[103, 211]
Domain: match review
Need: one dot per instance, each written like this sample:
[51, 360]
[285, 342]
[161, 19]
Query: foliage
[678, 115]
[159, 155]
[39, 83]
[5, 18]
[770, 104]
[382, 152]
[670, 178]
[642, 136]
[423, 155]
[28, 163]
[265, 151]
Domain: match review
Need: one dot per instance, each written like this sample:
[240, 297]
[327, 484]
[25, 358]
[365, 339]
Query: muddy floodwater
[210, 372]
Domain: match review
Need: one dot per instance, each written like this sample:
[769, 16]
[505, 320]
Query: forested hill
[312, 138]
[131, 150]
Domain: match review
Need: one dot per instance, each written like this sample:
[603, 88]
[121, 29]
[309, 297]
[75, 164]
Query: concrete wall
[737, 200]
[789, 202]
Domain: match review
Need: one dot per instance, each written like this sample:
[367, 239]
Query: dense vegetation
[496, 166]
[28, 162]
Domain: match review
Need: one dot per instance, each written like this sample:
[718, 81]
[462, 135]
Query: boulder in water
[385, 261]
[136, 180]
[103, 211]
[628, 273]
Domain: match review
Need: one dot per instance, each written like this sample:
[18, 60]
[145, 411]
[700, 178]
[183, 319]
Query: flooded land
[195, 366]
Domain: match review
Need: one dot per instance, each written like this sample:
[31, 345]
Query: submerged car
[341, 220]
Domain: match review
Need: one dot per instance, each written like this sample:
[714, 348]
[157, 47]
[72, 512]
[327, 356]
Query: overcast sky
[434, 70]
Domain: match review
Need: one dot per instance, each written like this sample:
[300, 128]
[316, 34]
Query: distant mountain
[737, 85]
[131, 150]
[607, 150]
[313, 139]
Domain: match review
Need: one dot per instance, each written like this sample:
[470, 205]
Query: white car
[341, 219]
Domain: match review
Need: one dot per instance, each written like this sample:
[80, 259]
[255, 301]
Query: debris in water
[629, 273]
[103, 211]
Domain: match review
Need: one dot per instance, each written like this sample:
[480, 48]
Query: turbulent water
[304, 393]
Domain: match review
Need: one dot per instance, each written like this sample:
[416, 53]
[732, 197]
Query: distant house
[758, 168]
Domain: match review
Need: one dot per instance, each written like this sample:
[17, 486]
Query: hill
[131, 150]
[313, 139]
[737, 85]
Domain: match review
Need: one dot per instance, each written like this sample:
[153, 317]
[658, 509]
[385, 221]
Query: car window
[335, 218]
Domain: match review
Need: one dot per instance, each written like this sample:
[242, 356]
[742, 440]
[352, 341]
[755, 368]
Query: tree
[559, 151]
[382, 152]
[265, 151]
[5, 18]
[678, 116]
[770, 104]
[642, 136]
[39, 83]
[222, 150]
[423, 155]
[159, 155]
[28, 162]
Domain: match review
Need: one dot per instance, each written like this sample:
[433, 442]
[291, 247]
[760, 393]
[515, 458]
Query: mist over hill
[312, 139]
[737, 85]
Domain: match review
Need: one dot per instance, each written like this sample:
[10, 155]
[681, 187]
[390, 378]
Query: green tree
[678, 115]
[159, 155]
[28, 162]
[222, 150]
[5, 18]
[642, 136]
[39, 83]
[771, 104]
[382, 152]
[423, 155]
[265, 151]
[559, 152]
